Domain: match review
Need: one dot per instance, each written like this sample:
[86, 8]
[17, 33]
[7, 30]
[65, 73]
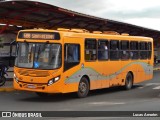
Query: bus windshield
[38, 55]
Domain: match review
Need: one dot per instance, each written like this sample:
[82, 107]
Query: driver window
[71, 55]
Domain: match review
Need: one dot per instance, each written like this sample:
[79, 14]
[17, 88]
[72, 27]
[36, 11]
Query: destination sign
[39, 35]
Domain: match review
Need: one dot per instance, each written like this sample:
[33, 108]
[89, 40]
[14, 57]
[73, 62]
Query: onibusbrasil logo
[21, 114]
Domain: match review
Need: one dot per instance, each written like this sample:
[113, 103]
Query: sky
[145, 13]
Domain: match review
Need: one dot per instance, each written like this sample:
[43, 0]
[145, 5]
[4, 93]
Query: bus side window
[134, 50]
[90, 49]
[143, 50]
[149, 50]
[125, 50]
[114, 50]
[102, 50]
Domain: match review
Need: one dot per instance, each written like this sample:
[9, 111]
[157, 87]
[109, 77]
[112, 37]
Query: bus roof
[83, 33]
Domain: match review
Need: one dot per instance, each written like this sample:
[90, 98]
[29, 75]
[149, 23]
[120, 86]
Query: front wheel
[83, 88]
[2, 81]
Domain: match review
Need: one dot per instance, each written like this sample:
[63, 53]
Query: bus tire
[128, 81]
[83, 88]
[40, 94]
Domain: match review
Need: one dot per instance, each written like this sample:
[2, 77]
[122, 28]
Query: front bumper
[37, 87]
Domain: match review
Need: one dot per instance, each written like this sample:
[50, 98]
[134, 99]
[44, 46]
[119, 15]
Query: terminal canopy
[17, 15]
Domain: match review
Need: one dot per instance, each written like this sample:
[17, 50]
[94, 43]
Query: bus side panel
[141, 74]
[145, 71]
[114, 71]
[103, 76]
[122, 68]
[128, 66]
[136, 75]
[92, 70]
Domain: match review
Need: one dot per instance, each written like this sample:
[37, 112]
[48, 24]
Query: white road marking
[156, 88]
[106, 103]
[149, 84]
[141, 87]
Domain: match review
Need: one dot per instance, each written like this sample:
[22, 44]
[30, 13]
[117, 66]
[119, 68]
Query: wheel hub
[83, 87]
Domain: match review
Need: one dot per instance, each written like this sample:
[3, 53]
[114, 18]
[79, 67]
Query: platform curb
[9, 89]
[156, 69]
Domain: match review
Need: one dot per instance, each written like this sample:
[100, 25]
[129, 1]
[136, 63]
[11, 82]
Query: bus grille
[33, 73]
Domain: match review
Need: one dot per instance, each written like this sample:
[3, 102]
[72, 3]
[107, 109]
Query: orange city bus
[75, 60]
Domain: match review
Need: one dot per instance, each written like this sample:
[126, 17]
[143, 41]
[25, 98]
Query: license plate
[31, 86]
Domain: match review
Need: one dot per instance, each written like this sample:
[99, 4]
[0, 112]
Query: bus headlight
[16, 79]
[50, 82]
